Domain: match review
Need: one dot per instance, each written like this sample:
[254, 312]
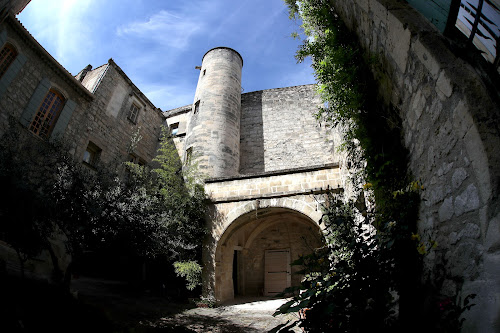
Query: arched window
[7, 56]
[47, 114]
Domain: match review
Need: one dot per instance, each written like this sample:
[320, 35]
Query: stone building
[94, 114]
[262, 153]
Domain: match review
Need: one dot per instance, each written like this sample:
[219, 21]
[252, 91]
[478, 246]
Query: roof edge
[224, 47]
[33, 43]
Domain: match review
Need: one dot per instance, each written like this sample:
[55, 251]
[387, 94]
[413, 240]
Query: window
[91, 154]
[174, 129]
[189, 154]
[196, 107]
[7, 56]
[136, 160]
[47, 114]
[204, 72]
[133, 113]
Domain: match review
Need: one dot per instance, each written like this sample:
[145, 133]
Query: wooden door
[276, 271]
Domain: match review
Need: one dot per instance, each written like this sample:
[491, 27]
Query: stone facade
[450, 126]
[268, 161]
[94, 114]
[265, 159]
[213, 135]
[279, 132]
[258, 149]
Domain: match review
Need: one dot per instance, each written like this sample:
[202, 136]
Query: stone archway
[241, 250]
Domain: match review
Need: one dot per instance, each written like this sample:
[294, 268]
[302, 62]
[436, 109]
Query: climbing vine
[372, 263]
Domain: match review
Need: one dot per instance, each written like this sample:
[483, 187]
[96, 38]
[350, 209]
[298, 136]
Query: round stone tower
[213, 131]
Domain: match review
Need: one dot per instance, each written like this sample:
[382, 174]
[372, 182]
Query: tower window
[196, 107]
[7, 56]
[133, 113]
[47, 114]
[204, 72]
[189, 154]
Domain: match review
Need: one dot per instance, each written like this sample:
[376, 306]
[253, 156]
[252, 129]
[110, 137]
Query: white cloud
[63, 28]
[164, 28]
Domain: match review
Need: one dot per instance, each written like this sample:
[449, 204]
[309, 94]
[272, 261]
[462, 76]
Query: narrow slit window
[196, 107]
[189, 155]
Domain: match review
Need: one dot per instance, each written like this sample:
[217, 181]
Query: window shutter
[63, 120]
[35, 101]
[3, 37]
[11, 73]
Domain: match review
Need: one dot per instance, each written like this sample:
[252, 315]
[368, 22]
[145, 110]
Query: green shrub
[191, 271]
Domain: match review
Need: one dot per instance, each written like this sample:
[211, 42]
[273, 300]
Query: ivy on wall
[370, 267]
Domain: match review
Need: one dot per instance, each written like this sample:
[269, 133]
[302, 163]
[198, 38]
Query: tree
[153, 212]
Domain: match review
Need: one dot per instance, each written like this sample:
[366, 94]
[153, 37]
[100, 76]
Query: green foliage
[356, 276]
[348, 283]
[191, 271]
[208, 301]
[154, 213]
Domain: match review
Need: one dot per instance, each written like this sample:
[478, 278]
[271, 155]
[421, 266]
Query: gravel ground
[136, 311]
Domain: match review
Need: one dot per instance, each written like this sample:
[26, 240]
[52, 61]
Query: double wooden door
[277, 275]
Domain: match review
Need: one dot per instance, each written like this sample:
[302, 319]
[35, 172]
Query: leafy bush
[191, 271]
[155, 212]
[348, 283]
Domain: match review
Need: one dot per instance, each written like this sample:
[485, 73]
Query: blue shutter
[35, 101]
[63, 120]
[11, 73]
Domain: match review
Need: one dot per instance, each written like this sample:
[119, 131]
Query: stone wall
[283, 234]
[279, 131]
[274, 184]
[450, 127]
[179, 117]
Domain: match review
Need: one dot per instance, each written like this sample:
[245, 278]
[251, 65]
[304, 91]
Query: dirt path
[135, 311]
[251, 316]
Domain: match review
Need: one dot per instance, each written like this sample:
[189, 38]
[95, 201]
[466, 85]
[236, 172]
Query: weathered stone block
[467, 201]
[426, 56]
[398, 41]
[444, 85]
[458, 177]
[445, 212]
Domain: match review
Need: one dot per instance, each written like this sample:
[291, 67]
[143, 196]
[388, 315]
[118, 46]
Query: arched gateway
[254, 238]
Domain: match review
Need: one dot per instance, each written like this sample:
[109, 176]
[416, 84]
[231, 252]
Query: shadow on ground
[115, 307]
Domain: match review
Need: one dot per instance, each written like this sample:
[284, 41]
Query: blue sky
[159, 42]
